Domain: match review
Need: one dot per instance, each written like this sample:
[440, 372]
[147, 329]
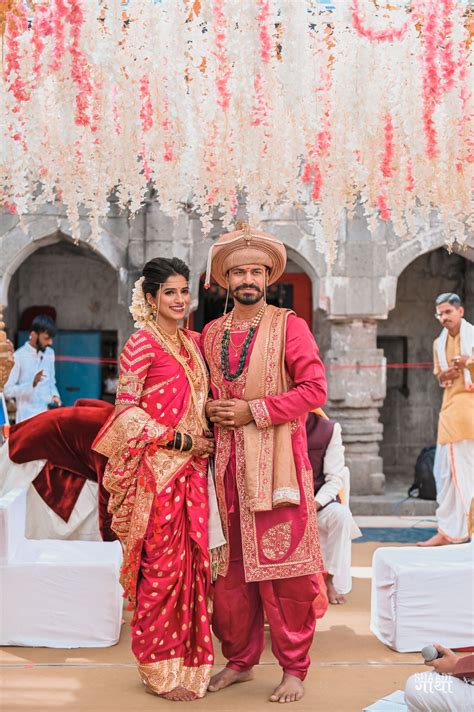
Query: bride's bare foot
[290, 689]
[227, 677]
[179, 694]
[333, 596]
[436, 540]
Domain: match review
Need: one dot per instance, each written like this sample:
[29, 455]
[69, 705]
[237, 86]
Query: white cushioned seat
[59, 594]
[422, 596]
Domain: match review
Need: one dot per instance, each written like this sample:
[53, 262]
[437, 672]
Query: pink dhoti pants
[239, 609]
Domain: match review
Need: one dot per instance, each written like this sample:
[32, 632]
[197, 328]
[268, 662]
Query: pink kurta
[274, 555]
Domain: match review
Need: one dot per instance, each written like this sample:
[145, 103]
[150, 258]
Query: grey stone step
[391, 503]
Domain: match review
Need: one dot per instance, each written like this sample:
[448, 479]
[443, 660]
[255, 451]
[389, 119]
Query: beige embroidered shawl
[269, 462]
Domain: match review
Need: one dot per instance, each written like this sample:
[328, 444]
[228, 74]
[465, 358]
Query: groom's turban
[245, 246]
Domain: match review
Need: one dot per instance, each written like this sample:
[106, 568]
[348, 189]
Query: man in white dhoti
[331, 493]
[454, 461]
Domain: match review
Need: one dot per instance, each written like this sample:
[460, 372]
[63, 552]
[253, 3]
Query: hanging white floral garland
[280, 100]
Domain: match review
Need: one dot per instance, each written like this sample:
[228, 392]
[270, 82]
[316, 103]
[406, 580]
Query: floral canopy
[286, 102]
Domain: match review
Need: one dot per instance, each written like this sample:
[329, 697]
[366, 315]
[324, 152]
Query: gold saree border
[164, 675]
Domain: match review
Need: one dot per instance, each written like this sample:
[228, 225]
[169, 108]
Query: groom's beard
[247, 299]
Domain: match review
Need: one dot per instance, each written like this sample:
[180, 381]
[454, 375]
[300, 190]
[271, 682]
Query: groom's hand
[229, 413]
[220, 412]
[242, 415]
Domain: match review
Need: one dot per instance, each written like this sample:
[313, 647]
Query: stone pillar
[357, 385]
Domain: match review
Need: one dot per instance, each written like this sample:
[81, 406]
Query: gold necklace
[244, 345]
[172, 337]
[236, 347]
[196, 378]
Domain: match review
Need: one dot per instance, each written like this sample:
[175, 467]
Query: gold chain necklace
[195, 378]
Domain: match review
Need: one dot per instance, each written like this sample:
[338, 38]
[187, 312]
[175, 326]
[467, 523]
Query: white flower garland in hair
[139, 308]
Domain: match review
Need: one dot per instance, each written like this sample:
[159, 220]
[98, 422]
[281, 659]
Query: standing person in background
[32, 381]
[454, 462]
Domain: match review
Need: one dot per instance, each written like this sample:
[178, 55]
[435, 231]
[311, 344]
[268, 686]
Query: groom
[266, 376]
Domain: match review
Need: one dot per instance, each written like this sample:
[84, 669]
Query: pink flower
[387, 158]
[146, 111]
[265, 40]
[383, 207]
[388, 35]
[220, 53]
[16, 25]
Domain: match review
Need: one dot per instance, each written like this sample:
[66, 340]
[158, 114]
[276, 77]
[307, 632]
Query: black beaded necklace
[225, 363]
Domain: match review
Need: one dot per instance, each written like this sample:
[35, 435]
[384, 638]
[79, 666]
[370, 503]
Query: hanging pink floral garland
[390, 34]
[223, 66]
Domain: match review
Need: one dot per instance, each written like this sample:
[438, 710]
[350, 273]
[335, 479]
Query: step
[391, 503]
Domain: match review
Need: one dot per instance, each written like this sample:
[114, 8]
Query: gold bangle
[182, 443]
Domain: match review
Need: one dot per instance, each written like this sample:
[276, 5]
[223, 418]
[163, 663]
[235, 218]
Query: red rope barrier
[329, 367]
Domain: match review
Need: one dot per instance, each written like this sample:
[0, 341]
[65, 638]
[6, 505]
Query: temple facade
[372, 313]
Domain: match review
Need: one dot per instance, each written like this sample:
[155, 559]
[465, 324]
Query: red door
[292, 291]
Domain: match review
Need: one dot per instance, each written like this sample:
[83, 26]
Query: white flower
[140, 310]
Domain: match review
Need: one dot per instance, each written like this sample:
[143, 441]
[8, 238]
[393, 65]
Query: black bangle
[175, 443]
[188, 443]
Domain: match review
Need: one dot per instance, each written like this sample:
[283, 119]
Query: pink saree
[160, 511]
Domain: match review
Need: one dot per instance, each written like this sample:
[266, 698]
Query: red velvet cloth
[64, 437]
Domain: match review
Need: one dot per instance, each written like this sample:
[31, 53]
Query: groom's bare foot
[290, 689]
[227, 677]
[333, 596]
[436, 540]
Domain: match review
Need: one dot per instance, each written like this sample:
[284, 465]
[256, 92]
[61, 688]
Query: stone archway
[18, 244]
[82, 289]
[410, 410]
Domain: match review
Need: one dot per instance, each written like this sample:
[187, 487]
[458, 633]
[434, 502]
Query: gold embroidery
[137, 347]
[260, 413]
[152, 389]
[276, 541]
[132, 361]
[306, 557]
[165, 675]
[129, 388]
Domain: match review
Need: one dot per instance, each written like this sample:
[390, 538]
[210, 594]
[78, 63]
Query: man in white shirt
[335, 523]
[32, 381]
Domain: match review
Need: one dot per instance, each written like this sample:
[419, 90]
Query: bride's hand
[203, 447]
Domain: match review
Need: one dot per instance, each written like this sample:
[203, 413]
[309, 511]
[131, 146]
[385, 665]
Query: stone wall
[354, 303]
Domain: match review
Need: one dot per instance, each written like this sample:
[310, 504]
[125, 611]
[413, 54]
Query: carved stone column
[357, 386]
